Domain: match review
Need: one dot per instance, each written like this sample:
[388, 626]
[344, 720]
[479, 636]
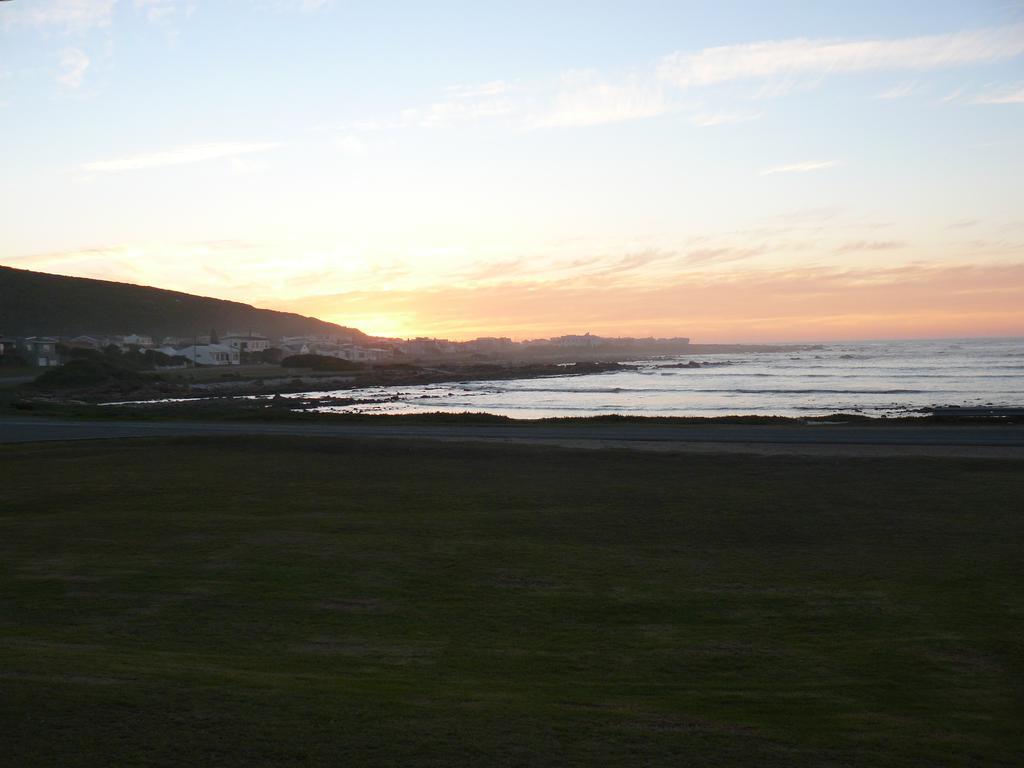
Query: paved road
[1007, 437]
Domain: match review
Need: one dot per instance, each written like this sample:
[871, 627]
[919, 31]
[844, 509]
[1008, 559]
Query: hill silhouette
[37, 303]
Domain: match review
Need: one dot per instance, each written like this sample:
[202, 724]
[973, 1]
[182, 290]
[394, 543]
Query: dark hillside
[35, 303]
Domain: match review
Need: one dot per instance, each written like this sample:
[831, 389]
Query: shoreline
[333, 374]
[156, 387]
[279, 409]
[330, 389]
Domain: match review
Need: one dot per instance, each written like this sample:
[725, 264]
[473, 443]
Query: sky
[728, 171]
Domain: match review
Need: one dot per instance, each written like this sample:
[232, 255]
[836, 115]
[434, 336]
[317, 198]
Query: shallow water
[873, 378]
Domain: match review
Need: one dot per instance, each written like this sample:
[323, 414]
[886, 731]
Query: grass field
[289, 602]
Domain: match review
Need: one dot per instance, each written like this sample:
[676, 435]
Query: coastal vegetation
[91, 373]
[286, 602]
[320, 363]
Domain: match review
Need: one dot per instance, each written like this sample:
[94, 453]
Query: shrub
[320, 363]
[13, 358]
[87, 373]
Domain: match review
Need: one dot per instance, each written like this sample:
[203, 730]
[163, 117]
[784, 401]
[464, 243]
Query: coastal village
[232, 348]
[250, 347]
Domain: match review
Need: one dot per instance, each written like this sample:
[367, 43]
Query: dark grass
[288, 602]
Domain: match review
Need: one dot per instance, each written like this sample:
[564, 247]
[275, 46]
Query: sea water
[874, 378]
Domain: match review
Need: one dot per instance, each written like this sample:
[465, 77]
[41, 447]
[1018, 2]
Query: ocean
[873, 378]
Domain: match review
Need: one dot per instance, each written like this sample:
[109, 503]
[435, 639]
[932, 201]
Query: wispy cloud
[575, 99]
[73, 65]
[196, 153]
[481, 90]
[859, 246]
[952, 96]
[724, 118]
[804, 57]
[305, 6]
[804, 167]
[69, 15]
[584, 99]
[581, 98]
[899, 91]
[962, 224]
[452, 111]
[158, 11]
[465, 103]
[350, 146]
[704, 256]
[1014, 95]
[80, 16]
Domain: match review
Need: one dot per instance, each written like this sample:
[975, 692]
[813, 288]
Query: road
[1006, 440]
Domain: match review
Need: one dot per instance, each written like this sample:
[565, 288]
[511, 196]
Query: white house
[135, 340]
[351, 352]
[290, 350]
[247, 342]
[207, 354]
[368, 353]
[331, 347]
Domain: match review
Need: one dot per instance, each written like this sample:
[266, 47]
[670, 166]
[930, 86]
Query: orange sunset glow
[804, 305]
[794, 179]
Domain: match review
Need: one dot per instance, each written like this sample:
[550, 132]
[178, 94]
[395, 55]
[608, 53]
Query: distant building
[489, 344]
[586, 340]
[424, 347]
[181, 341]
[134, 340]
[367, 354]
[295, 348]
[41, 351]
[206, 354]
[88, 342]
[331, 349]
[325, 347]
[8, 345]
[248, 342]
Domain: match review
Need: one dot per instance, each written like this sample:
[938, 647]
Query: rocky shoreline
[140, 390]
